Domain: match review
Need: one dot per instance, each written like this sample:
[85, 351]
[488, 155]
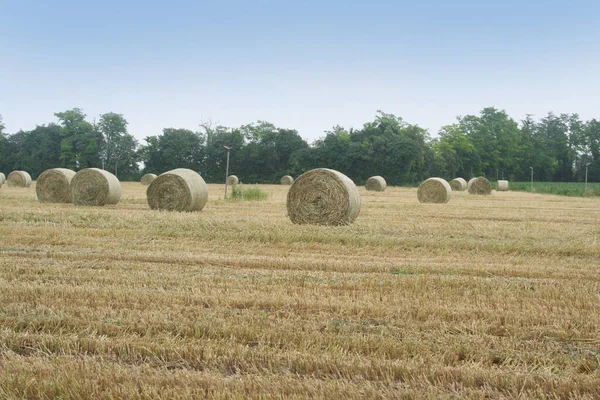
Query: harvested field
[489, 296]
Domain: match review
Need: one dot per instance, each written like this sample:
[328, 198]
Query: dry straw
[178, 190]
[19, 179]
[502, 186]
[323, 197]
[287, 180]
[376, 184]
[95, 187]
[458, 184]
[2, 179]
[434, 190]
[480, 186]
[232, 180]
[147, 179]
[54, 185]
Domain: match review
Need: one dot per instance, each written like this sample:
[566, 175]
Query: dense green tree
[119, 148]
[216, 155]
[175, 148]
[456, 152]
[35, 151]
[81, 144]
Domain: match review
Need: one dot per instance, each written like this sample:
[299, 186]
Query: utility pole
[531, 179]
[227, 171]
[586, 169]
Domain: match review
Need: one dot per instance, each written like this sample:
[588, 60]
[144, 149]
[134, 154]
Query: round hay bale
[180, 189]
[232, 180]
[287, 180]
[19, 179]
[480, 186]
[147, 179]
[458, 184]
[323, 197]
[95, 187]
[2, 179]
[54, 185]
[502, 186]
[470, 182]
[376, 184]
[434, 190]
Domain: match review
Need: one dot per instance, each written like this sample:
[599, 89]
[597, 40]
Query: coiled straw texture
[95, 187]
[434, 190]
[480, 186]
[54, 185]
[376, 184]
[19, 179]
[458, 184]
[180, 189]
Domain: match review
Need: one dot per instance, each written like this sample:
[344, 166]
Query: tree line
[556, 147]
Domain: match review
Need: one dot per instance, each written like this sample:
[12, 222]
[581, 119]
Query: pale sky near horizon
[305, 65]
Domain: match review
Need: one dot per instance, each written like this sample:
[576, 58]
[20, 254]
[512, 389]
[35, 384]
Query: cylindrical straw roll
[95, 187]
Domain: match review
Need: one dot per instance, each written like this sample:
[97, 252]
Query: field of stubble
[484, 297]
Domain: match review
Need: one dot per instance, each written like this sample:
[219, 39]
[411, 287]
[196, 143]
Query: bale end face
[376, 184]
[480, 186]
[180, 189]
[147, 179]
[286, 180]
[434, 190]
[323, 197]
[54, 185]
[232, 180]
[95, 187]
[19, 179]
[458, 184]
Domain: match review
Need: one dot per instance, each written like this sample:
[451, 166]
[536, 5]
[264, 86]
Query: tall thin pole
[586, 169]
[531, 179]
[227, 174]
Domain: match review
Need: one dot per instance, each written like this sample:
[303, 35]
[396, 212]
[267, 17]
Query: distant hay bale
[178, 190]
[502, 186]
[323, 197]
[480, 186]
[376, 184]
[287, 180]
[232, 180]
[2, 179]
[434, 190]
[54, 185]
[458, 184]
[147, 179]
[19, 179]
[95, 187]
[470, 183]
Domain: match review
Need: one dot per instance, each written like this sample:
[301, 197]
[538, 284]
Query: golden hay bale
[2, 179]
[287, 180]
[232, 180]
[502, 186]
[470, 183]
[54, 185]
[95, 187]
[480, 185]
[180, 189]
[323, 197]
[458, 184]
[376, 184]
[147, 179]
[19, 179]
[434, 190]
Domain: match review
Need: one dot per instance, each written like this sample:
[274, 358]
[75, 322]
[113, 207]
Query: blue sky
[307, 65]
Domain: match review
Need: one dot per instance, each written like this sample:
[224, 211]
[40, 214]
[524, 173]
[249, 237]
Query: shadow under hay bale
[434, 190]
[323, 197]
[376, 184]
[95, 187]
[180, 189]
[54, 185]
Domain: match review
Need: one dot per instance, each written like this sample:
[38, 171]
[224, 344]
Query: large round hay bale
[2, 179]
[287, 180]
[95, 187]
[54, 185]
[376, 184]
[458, 184]
[19, 179]
[434, 190]
[323, 197]
[470, 183]
[147, 179]
[232, 180]
[178, 190]
[480, 185]
[502, 186]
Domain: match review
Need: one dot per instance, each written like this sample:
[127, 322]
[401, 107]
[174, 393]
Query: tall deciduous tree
[80, 143]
